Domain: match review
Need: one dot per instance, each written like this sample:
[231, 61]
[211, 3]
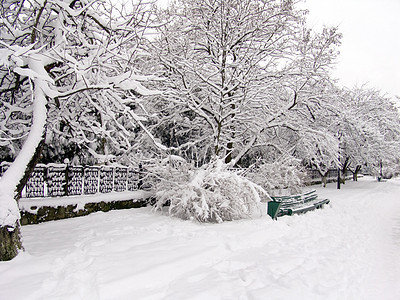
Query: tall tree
[219, 56]
[242, 74]
[68, 68]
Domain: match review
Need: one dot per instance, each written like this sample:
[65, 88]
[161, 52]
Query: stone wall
[50, 213]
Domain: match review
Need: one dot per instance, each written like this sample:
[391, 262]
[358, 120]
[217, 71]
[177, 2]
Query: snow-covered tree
[370, 125]
[220, 58]
[243, 77]
[70, 73]
[311, 83]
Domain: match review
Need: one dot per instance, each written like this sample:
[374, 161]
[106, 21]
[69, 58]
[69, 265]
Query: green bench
[294, 204]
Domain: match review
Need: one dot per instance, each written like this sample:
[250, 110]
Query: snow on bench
[295, 204]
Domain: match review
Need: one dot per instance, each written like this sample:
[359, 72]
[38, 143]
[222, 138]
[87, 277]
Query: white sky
[370, 51]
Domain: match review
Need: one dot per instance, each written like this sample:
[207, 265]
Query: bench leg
[273, 209]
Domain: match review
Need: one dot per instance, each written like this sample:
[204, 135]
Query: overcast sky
[370, 51]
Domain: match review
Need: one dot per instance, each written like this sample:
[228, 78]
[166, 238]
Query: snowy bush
[277, 176]
[209, 194]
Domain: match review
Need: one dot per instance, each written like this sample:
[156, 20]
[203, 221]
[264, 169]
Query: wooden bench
[294, 204]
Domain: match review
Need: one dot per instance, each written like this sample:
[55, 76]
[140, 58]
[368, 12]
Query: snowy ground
[349, 250]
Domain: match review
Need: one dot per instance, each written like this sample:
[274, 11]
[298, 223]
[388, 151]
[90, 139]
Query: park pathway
[376, 210]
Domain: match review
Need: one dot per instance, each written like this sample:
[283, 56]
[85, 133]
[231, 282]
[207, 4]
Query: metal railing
[57, 180]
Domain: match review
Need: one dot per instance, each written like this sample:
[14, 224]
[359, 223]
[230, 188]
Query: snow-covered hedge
[208, 194]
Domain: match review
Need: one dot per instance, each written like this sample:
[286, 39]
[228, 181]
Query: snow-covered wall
[34, 211]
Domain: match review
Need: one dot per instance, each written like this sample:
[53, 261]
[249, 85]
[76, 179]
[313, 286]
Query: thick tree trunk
[10, 242]
[10, 236]
[30, 167]
[15, 177]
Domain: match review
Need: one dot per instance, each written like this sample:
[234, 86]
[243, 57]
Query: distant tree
[370, 127]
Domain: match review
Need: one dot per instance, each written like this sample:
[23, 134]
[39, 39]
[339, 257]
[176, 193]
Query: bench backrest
[299, 198]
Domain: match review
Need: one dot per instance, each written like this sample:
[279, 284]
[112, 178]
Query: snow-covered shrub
[208, 194]
[278, 176]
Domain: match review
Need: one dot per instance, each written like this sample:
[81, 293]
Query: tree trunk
[324, 177]
[343, 171]
[324, 180]
[14, 179]
[30, 167]
[355, 176]
[355, 173]
[10, 242]
[10, 236]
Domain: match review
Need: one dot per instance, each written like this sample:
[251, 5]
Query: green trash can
[273, 209]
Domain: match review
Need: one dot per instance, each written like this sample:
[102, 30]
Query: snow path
[349, 250]
[376, 209]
